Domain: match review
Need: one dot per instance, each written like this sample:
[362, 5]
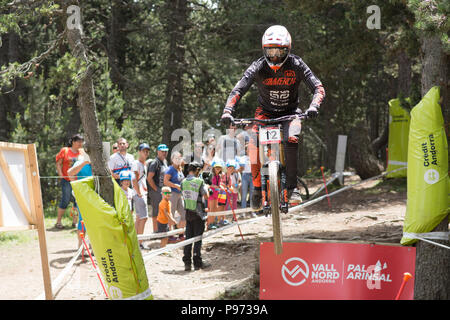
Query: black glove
[312, 112]
[227, 119]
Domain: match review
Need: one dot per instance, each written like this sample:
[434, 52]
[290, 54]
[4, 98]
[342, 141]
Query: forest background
[161, 65]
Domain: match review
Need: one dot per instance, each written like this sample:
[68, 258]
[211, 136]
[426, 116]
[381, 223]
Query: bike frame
[272, 152]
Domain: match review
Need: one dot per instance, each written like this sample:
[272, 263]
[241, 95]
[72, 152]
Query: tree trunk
[88, 115]
[117, 43]
[404, 74]
[361, 154]
[433, 262]
[10, 103]
[173, 103]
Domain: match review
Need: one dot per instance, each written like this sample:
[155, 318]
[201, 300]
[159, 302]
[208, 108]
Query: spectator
[125, 178]
[115, 147]
[81, 169]
[165, 217]
[247, 183]
[215, 186]
[65, 159]
[197, 156]
[140, 186]
[172, 178]
[232, 183]
[194, 194]
[155, 181]
[208, 157]
[121, 160]
[228, 146]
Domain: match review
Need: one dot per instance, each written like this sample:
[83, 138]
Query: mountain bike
[273, 170]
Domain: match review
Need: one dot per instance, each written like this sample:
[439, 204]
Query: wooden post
[38, 209]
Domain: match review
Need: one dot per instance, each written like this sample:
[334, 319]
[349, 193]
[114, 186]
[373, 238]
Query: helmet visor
[276, 53]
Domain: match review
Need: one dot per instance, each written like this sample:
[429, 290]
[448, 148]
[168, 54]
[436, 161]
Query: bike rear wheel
[274, 177]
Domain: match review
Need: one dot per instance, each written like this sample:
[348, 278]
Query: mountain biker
[277, 75]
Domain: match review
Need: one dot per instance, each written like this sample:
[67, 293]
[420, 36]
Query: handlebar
[248, 121]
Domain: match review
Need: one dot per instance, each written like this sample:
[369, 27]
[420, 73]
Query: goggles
[272, 52]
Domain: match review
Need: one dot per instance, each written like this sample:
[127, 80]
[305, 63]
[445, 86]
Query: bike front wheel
[274, 178]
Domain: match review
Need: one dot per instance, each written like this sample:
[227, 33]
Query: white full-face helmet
[276, 45]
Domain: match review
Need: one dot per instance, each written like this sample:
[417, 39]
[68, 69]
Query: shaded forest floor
[371, 212]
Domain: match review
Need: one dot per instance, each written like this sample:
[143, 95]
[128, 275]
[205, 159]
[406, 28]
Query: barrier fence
[152, 236]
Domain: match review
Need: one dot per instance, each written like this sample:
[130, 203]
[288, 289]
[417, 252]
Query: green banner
[114, 241]
[428, 180]
[399, 121]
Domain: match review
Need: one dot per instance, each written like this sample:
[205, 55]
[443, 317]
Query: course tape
[56, 285]
[211, 233]
[170, 247]
[208, 234]
[159, 235]
[429, 235]
[311, 202]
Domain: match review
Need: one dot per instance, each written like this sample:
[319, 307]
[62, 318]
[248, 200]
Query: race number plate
[269, 135]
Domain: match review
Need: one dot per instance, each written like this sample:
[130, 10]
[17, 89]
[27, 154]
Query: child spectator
[165, 217]
[194, 194]
[125, 183]
[233, 184]
[213, 204]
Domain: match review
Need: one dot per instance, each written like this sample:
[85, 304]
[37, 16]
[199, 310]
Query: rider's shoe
[256, 199]
[294, 196]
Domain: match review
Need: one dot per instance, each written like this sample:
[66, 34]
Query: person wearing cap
[195, 194]
[121, 160]
[140, 186]
[213, 204]
[125, 183]
[155, 180]
[165, 218]
[233, 183]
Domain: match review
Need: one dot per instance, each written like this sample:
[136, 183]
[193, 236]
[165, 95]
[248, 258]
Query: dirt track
[363, 214]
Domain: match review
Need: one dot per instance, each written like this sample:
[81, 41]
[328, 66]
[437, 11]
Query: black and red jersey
[277, 91]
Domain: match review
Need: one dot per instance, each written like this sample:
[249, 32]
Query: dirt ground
[372, 212]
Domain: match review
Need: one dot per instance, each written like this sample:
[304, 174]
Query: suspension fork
[264, 179]
[284, 202]
[264, 191]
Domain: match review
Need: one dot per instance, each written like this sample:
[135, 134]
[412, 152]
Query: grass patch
[50, 214]
[16, 237]
[389, 185]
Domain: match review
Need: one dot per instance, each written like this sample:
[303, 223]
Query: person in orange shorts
[165, 218]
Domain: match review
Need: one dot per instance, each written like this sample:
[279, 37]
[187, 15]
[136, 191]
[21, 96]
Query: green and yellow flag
[399, 121]
[113, 238]
[428, 179]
